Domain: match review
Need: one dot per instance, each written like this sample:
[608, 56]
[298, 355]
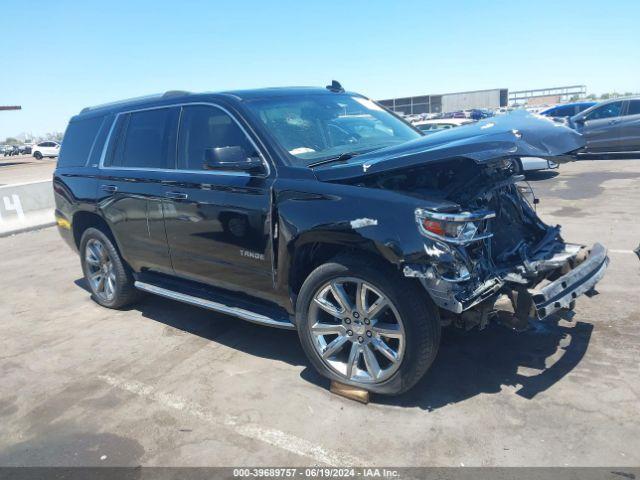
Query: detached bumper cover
[561, 292]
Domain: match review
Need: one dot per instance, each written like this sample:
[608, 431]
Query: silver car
[612, 126]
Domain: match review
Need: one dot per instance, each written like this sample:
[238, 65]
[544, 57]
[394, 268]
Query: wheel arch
[310, 252]
[83, 220]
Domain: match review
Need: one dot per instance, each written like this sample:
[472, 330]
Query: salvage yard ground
[25, 168]
[168, 384]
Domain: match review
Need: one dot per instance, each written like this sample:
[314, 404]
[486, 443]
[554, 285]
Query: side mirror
[233, 158]
[579, 121]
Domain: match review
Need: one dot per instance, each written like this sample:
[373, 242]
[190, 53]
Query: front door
[601, 128]
[218, 223]
[630, 127]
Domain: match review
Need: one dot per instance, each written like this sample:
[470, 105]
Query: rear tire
[110, 280]
[417, 331]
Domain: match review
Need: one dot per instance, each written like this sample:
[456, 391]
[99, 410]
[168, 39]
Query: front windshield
[318, 127]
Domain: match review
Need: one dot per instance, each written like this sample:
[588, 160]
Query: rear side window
[634, 107]
[144, 140]
[78, 140]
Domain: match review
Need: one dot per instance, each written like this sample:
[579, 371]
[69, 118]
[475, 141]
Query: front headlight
[459, 228]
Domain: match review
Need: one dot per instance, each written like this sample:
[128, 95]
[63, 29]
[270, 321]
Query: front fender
[374, 220]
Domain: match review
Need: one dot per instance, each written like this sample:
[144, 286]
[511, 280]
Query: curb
[25, 207]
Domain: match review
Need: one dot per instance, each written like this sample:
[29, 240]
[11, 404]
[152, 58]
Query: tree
[11, 141]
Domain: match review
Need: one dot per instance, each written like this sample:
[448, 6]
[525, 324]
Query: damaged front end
[494, 252]
[483, 245]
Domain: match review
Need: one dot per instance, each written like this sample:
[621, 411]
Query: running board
[215, 306]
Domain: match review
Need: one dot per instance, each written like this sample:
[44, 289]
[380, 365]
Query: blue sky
[58, 57]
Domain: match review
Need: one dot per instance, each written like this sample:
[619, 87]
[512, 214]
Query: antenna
[335, 87]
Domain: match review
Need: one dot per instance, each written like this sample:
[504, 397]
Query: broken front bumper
[561, 292]
[538, 302]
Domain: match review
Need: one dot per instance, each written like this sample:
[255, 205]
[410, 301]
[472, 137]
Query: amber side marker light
[63, 223]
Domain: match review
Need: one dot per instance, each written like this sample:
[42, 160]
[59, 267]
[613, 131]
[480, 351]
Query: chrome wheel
[100, 270]
[356, 330]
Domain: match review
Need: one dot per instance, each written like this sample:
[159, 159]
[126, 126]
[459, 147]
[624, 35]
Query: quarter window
[203, 127]
[606, 111]
[78, 140]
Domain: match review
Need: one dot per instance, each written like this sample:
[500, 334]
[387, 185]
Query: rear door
[601, 128]
[630, 127]
[217, 222]
[139, 157]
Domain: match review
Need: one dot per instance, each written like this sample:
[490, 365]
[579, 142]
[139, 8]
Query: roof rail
[167, 94]
[175, 93]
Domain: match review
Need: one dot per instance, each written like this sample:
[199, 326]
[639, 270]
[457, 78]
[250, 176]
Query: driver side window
[609, 110]
[204, 127]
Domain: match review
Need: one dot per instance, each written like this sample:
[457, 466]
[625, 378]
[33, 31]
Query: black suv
[318, 210]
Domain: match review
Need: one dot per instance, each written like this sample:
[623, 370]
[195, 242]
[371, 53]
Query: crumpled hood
[517, 134]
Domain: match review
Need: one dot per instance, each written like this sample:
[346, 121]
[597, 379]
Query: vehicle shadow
[537, 176]
[475, 362]
[467, 364]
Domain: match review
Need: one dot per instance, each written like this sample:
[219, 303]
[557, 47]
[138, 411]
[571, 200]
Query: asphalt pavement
[164, 383]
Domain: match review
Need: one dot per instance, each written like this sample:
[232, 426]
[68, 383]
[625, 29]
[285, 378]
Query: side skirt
[212, 304]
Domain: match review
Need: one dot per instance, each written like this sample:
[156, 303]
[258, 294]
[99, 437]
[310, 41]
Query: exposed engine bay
[487, 241]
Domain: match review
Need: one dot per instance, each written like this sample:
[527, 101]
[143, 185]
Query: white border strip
[26, 183]
[270, 436]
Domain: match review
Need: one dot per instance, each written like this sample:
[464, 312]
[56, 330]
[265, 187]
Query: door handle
[176, 195]
[109, 188]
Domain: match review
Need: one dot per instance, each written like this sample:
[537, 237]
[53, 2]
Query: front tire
[37, 156]
[110, 280]
[362, 324]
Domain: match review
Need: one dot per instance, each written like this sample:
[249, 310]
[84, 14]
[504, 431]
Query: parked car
[252, 203]
[10, 150]
[437, 125]
[46, 149]
[612, 126]
[567, 110]
[457, 114]
[480, 113]
[25, 149]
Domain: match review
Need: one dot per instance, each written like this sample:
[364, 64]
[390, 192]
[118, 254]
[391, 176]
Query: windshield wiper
[343, 157]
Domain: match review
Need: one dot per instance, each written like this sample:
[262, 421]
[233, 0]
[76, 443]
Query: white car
[432, 126]
[45, 149]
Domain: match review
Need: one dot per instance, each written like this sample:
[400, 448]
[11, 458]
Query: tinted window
[78, 139]
[634, 107]
[143, 139]
[566, 111]
[606, 111]
[203, 127]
